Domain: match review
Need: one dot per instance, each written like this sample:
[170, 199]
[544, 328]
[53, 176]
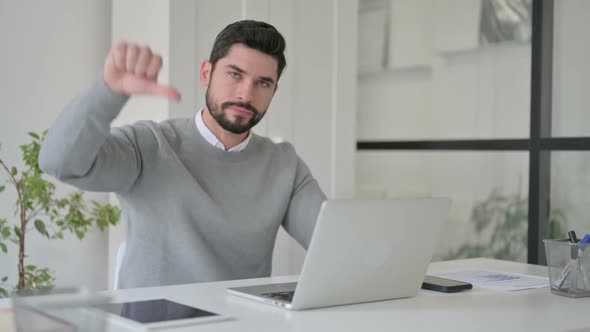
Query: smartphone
[444, 285]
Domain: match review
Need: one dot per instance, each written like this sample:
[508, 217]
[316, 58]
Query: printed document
[501, 281]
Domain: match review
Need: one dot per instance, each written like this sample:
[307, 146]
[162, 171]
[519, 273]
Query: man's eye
[264, 84]
[234, 74]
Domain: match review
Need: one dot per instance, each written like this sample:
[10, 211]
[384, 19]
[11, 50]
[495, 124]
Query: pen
[585, 240]
[581, 248]
[573, 239]
[572, 236]
[558, 284]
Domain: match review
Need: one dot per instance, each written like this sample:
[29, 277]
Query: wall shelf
[405, 73]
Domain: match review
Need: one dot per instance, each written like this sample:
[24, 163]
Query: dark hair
[258, 35]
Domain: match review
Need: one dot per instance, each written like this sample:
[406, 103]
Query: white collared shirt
[212, 139]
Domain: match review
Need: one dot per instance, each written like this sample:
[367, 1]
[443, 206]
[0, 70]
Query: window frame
[539, 144]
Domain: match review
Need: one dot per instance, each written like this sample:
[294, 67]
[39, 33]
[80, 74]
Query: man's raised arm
[80, 148]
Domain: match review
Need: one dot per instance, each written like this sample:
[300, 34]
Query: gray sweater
[194, 213]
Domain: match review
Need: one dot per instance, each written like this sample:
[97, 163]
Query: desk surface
[475, 310]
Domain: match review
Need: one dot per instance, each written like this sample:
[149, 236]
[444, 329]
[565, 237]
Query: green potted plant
[500, 225]
[38, 209]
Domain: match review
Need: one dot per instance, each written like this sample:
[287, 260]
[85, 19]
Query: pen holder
[569, 267]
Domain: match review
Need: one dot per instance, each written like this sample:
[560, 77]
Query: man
[203, 198]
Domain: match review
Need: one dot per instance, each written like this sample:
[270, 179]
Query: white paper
[6, 323]
[501, 281]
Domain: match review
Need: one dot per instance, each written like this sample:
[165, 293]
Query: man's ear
[205, 73]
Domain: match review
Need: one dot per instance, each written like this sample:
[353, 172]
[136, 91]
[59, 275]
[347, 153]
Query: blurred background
[358, 72]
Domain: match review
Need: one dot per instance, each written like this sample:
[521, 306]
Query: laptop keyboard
[284, 296]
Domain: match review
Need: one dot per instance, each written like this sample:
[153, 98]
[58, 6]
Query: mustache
[240, 104]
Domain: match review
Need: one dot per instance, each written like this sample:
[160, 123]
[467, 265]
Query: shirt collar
[212, 139]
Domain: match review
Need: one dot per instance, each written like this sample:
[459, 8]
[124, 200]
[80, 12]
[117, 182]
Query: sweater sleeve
[304, 205]
[81, 150]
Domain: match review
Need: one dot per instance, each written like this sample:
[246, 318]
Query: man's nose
[245, 91]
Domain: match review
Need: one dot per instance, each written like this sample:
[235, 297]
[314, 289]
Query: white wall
[50, 51]
[317, 98]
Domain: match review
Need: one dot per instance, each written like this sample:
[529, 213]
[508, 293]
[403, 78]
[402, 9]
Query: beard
[219, 113]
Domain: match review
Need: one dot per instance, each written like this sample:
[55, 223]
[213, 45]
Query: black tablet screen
[153, 311]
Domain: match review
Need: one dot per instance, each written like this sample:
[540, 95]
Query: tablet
[157, 314]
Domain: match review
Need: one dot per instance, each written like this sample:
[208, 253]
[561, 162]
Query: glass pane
[488, 217]
[571, 72]
[570, 184]
[435, 72]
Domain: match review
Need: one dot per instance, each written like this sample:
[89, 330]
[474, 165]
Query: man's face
[240, 87]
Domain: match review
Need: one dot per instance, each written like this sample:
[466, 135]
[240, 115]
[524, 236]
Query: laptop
[361, 251]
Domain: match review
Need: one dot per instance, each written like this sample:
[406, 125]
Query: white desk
[475, 310]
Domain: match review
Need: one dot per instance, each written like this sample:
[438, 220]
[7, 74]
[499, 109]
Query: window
[473, 118]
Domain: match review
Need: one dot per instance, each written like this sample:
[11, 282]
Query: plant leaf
[31, 267]
[34, 135]
[40, 226]
[17, 231]
[2, 188]
[3, 247]
[4, 279]
[13, 171]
